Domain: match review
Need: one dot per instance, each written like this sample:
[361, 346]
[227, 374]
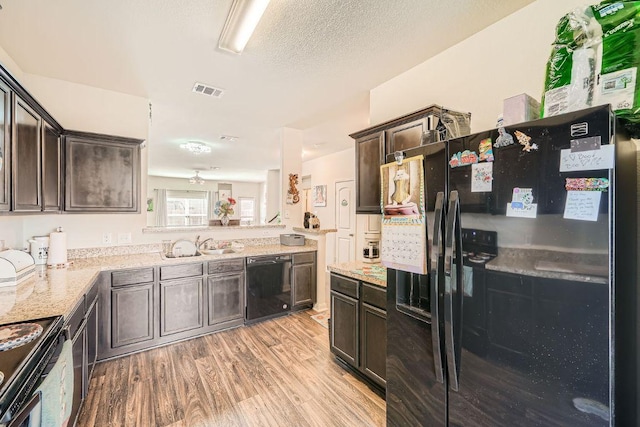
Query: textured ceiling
[309, 65]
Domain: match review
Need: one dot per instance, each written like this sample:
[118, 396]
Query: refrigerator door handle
[452, 238]
[436, 251]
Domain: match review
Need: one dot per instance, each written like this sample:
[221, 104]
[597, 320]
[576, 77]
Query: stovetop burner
[479, 246]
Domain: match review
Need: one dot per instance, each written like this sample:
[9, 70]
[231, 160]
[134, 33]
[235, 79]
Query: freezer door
[535, 320]
[414, 395]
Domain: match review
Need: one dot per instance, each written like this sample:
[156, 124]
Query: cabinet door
[405, 136]
[225, 294]
[26, 158]
[373, 334]
[131, 315]
[51, 175]
[181, 305]
[79, 361]
[92, 343]
[102, 173]
[369, 156]
[303, 290]
[5, 154]
[345, 328]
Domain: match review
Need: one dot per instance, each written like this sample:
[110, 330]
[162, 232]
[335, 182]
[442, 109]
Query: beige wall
[477, 74]
[83, 108]
[328, 170]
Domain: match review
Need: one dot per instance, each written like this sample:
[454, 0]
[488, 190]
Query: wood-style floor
[275, 373]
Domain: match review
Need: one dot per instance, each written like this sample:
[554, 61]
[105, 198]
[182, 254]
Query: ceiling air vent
[208, 90]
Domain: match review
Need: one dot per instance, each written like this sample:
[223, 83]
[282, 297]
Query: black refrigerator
[528, 313]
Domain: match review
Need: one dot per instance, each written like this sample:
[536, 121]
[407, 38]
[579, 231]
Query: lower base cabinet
[82, 325]
[153, 306]
[359, 327]
[303, 280]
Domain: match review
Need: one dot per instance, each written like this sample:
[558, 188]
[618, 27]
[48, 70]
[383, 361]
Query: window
[247, 210]
[186, 208]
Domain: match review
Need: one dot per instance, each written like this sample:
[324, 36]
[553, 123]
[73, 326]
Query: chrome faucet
[200, 244]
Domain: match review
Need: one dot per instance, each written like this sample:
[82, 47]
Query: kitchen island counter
[54, 292]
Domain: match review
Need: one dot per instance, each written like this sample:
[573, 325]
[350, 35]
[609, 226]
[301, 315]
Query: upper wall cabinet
[430, 124]
[26, 149]
[5, 153]
[51, 169]
[102, 173]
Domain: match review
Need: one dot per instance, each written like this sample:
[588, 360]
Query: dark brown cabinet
[373, 335]
[148, 307]
[432, 123]
[132, 316]
[369, 156]
[359, 327]
[181, 305]
[102, 173]
[303, 280]
[51, 169]
[82, 325]
[405, 136]
[27, 140]
[225, 294]
[345, 321]
[5, 145]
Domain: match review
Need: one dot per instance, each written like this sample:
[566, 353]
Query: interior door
[345, 221]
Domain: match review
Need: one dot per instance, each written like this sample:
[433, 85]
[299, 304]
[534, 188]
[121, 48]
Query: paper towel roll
[57, 248]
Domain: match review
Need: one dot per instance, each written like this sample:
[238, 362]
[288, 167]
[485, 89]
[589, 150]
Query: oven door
[29, 415]
[49, 404]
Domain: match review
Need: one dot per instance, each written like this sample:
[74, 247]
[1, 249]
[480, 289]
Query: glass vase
[224, 220]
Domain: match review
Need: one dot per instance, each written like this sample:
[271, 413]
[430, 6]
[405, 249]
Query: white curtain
[212, 198]
[161, 207]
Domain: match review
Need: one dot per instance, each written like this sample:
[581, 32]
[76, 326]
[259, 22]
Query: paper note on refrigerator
[587, 160]
[582, 205]
[481, 177]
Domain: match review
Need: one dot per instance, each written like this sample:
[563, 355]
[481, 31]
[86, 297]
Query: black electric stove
[23, 365]
[478, 247]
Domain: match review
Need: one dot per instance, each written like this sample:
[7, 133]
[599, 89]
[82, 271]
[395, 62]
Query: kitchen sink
[218, 251]
[182, 256]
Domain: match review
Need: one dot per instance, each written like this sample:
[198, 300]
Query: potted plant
[225, 208]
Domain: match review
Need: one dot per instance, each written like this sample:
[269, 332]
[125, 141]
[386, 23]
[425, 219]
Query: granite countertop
[590, 268]
[370, 273]
[54, 292]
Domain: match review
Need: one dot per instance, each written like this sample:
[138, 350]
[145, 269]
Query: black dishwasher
[268, 287]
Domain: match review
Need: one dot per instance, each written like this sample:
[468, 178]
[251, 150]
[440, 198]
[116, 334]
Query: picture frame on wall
[320, 195]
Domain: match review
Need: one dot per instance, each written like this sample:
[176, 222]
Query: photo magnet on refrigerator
[522, 205]
[486, 150]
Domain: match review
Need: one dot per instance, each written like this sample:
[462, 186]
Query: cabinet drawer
[183, 270]
[307, 257]
[131, 277]
[374, 296]
[344, 286]
[225, 266]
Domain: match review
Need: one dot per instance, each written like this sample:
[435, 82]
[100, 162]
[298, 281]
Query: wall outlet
[286, 214]
[106, 238]
[124, 238]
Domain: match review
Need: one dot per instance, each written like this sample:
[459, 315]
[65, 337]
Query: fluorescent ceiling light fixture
[241, 22]
[197, 179]
[195, 148]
